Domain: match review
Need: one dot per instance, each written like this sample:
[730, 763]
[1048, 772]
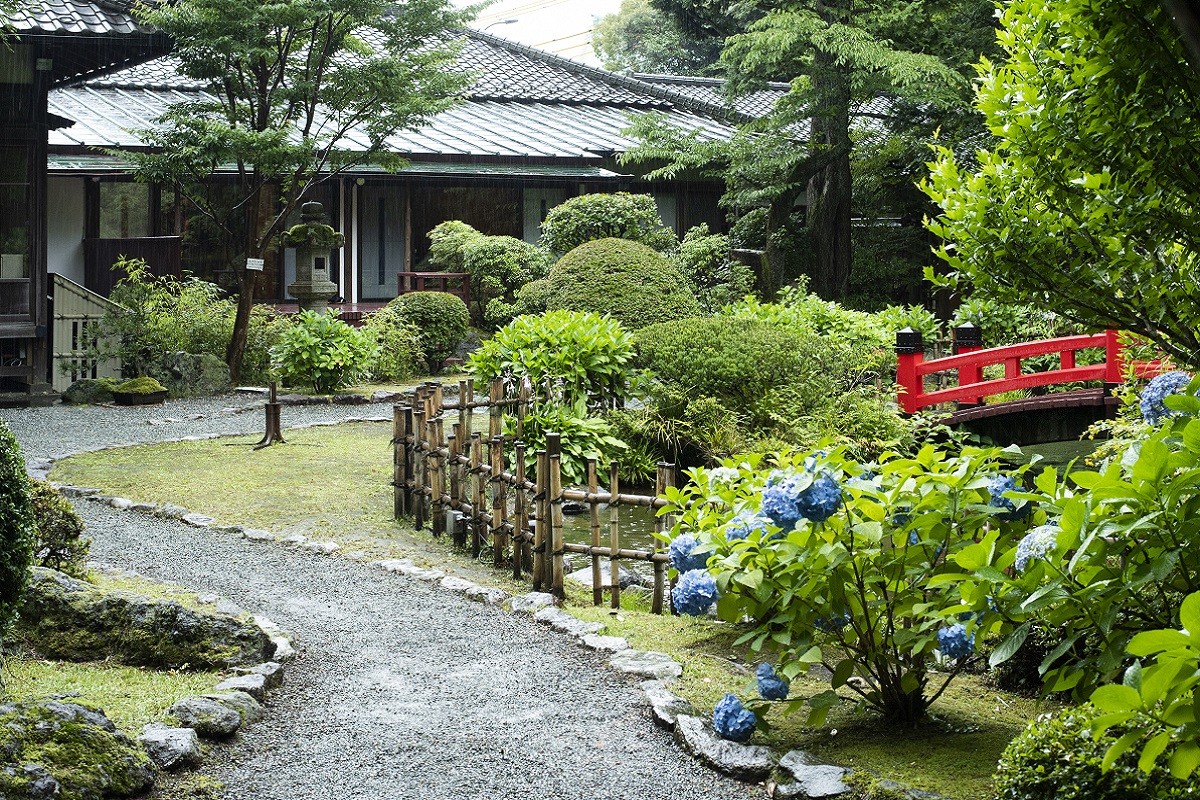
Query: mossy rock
[629, 281]
[67, 751]
[141, 385]
[68, 619]
[90, 390]
[188, 374]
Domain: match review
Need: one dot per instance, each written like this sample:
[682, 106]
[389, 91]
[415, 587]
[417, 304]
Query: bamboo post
[541, 521]
[495, 410]
[523, 406]
[521, 547]
[499, 502]
[399, 463]
[435, 400]
[594, 515]
[458, 535]
[464, 405]
[477, 491]
[554, 449]
[437, 480]
[660, 571]
[614, 531]
[419, 464]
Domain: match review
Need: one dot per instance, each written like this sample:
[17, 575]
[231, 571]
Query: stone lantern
[315, 242]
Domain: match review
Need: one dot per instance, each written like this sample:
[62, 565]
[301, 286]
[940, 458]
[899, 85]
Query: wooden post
[499, 503]
[554, 449]
[437, 480]
[968, 339]
[660, 569]
[464, 405]
[399, 463]
[477, 494]
[910, 352]
[614, 531]
[1114, 358]
[495, 410]
[410, 469]
[273, 433]
[594, 518]
[541, 520]
[458, 535]
[435, 400]
[523, 406]
[521, 548]
[418, 418]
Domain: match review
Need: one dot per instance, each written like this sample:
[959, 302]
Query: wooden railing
[970, 359]
[518, 515]
[455, 283]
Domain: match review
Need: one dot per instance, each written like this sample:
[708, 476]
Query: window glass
[124, 210]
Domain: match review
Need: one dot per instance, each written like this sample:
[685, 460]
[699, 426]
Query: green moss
[140, 386]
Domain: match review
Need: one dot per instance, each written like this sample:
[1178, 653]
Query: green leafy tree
[287, 82]
[1089, 202]
[641, 38]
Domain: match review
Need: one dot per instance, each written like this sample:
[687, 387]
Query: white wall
[65, 224]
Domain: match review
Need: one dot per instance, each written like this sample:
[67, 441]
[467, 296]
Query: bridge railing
[970, 359]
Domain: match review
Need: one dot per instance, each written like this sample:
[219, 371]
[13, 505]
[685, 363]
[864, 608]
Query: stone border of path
[797, 774]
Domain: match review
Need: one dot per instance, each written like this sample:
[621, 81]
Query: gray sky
[560, 26]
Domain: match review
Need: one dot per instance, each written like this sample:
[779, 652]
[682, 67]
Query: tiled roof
[100, 17]
[712, 90]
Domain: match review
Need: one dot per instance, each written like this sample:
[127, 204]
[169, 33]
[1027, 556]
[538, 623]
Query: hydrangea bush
[845, 565]
[1153, 400]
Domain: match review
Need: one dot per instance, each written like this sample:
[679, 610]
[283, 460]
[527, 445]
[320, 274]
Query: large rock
[811, 779]
[742, 761]
[188, 375]
[89, 390]
[627, 577]
[246, 706]
[69, 619]
[53, 749]
[207, 717]
[171, 748]
[667, 707]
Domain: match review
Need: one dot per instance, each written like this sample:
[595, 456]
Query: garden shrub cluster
[441, 319]
[398, 351]
[716, 279]
[497, 265]
[321, 351]
[619, 215]
[630, 281]
[58, 542]
[17, 527]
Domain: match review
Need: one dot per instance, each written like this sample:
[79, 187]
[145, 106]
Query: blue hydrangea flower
[1037, 544]
[684, 556]
[745, 523]
[770, 685]
[1154, 410]
[997, 486]
[732, 720]
[694, 593]
[790, 497]
[955, 642]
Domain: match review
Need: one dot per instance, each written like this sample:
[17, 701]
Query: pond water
[637, 527]
[1060, 454]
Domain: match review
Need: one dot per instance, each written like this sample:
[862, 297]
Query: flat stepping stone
[810, 777]
[647, 663]
[745, 762]
[666, 707]
[609, 644]
[253, 685]
[531, 602]
[563, 622]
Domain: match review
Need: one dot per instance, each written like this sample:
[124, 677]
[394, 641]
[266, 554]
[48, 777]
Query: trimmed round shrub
[59, 542]
[1057, 758]
[499, 266]
[323, 352]
[448, 242]
[16, 526]
[442, 319]
[619, 215]
[630, 281]
[398, 353]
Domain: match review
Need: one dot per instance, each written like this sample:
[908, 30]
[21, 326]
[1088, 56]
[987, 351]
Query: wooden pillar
[593, 483]
[499, 502]
[614, 532]
[399, 461]
[910, 353]
[541, 520]
[554, 451]
[478, 534]
[521, 549]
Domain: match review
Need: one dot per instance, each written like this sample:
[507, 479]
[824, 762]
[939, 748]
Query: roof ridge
[699, 80]
[616, 79]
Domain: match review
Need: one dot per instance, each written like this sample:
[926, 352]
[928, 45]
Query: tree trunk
[257, 211]
[829, 190]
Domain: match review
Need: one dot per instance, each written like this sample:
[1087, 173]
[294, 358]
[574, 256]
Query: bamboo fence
[437, 472]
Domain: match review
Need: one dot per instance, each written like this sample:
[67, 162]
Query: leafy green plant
[618, 215]
[398, 353]
[323, 352]
[1058, 758]
[582, 437]
[58, 542]
[627, 280]
[715, 277]
[499, 266]
[17, 526]
[442, 319]
[448, 242]
[854, 567]
[567, 356]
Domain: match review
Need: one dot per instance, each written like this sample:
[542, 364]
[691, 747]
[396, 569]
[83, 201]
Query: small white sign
[255, 264]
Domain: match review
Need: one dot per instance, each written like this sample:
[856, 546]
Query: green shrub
[58, 542]
[634, 284]
[323, 352]
[581, 437]
[16, 526]
[499, 266]
[164, 315]
[1058, 758]
[142, 385]
[529, 299]
[442, 319]
[716, 278]
[620, 215]
[398, 353]
[448, 242]
[568, 356]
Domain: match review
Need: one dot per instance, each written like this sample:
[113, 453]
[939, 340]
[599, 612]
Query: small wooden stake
[541, 520]
[399, 464]
[478, 516]
[273, 433]
[660, 572]
[437, 480]
[594, 518]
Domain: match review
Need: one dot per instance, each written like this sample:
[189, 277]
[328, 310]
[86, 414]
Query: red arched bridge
[1051, 417]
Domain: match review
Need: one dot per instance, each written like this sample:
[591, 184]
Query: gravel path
[402, 690]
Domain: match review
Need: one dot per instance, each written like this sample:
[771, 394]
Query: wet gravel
[401, 689]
